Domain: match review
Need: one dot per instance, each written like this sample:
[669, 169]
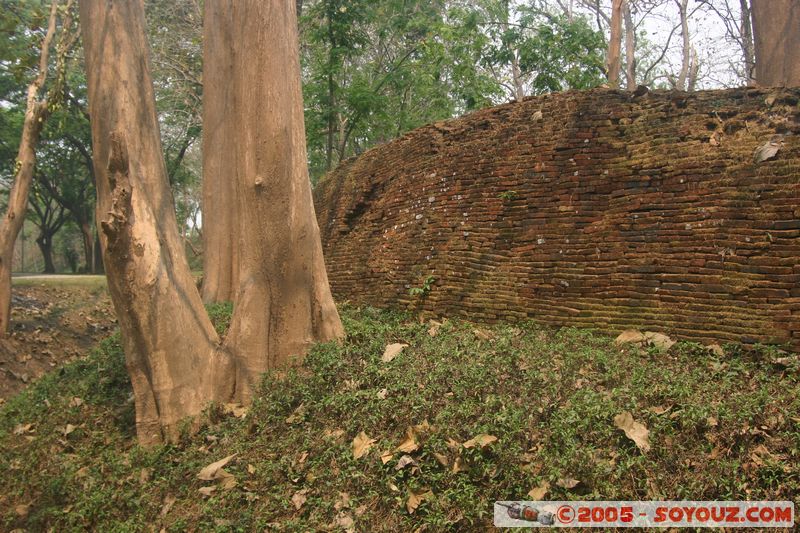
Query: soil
[50, 326]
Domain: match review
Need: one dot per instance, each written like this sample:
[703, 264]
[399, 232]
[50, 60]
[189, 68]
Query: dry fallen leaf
[538, 493]
[251, 469]
[23, 428]
[382, 394]
[442, 459]
[235, 409]
[392, 351]
[414, 500]
[435, 327]
[386, 457]
[481, 441]
[206, 491]
[169, 501]
[629, 336]
[716, 349]
[214, 470]
[459, 465]
[299, 498]
[567, 483]
[68, 429]
[297, 415]
[660, 409]
[635, 431]
[361, 445]
[658, 340]
[410, 444]
[404, 461]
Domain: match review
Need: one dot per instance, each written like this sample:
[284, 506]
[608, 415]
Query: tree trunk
[613, 60]
[88, 245]
[171, 349]
[220, 221]
[98, 267]
[776, 35]
[748, 48]
[35, 114]
[683, 8]
[284, 303]
[630, 47]
[45, 243]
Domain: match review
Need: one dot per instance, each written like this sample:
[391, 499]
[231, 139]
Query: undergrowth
[721, 428]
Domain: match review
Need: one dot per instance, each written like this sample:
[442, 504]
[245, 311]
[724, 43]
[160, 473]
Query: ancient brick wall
[592, 209]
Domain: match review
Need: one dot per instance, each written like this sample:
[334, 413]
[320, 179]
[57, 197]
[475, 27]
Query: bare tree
[176, 361]
[39, 106]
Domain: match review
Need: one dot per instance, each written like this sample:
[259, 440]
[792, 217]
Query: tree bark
[284, 303]
[220, 221]
[776, 35]
[171, 349]
[613, 60]
[36, 112]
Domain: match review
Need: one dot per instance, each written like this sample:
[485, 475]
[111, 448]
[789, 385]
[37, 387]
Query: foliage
[550, 397]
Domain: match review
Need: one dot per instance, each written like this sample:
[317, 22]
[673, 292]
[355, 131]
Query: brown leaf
[712, 422]
[635, 431]
[386, 457]
[382, 394]
[629, 336]
[660, 409]
[298, 415]
[658, 340]
[404, 461]
[214, 470]
[392, 351]
[235, 409]
[459, 465]
[435, 327]
[228, 482]
[716, 349]
[361, 445]
[769, 149]
[169, 501]
[414, 500]
[206, 491]
[23, 428]
[538, 493]
[567, 483]
[410, 444]
[483, 440]
[75, 402]
[299, 498]
[442, 459]
[68, 429]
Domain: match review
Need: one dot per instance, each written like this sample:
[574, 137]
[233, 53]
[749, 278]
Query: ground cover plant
[423, 437]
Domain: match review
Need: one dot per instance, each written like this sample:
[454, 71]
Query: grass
[60, 280]
[720, 427]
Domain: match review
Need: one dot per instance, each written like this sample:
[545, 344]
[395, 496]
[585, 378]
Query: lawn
[461, 417]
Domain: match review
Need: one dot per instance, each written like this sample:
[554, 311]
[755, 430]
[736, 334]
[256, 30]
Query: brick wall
[591, 209]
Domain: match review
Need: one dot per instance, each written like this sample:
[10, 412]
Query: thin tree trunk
[284, 303]
[776, 35]
[683, 7]
[331, 89]
[88, 246]
[613, 60]
[748, 48]
[36, 113]
[171, 349]
[220, 220]
[630, 47]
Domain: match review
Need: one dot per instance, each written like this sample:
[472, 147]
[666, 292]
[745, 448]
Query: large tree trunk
[220, 221]
[36, 113]
[171, 349]
[284, 303]
[776, 34]
[613, 61]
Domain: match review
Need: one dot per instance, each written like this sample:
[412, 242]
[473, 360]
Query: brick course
[605, 211]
